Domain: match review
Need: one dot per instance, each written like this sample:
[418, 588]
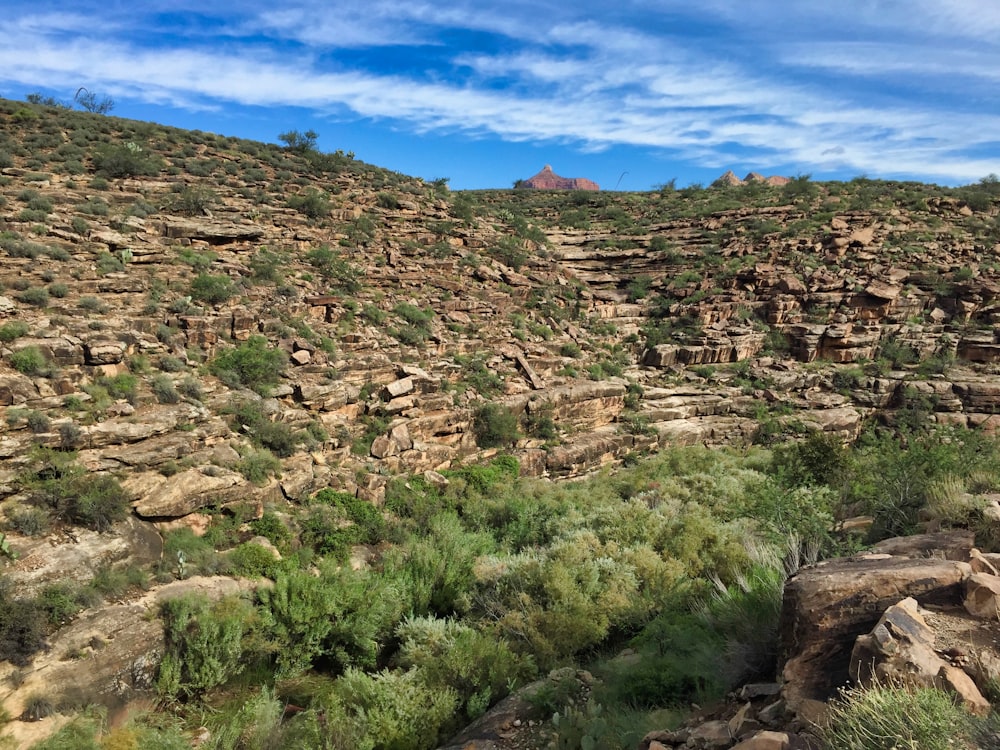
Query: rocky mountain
[549, 180]
[221, 326]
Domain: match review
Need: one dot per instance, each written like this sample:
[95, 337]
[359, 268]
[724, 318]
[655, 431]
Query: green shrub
[54, 480]
[253, 364]
[336, 269]
[341, 616]
[108, 263]
[449, 655]
[29, 361]
[203, 644]
[58, 290]
[258, 465]
[90, 303]
[22, 628]
[390, 710]
[194, 200]
[164, 390]
[13, 330]
[887, 717]
[124, 385]
[272, 528]
[127, 160]
[59, 602]
[250, 560]
[495, 426]
[37, 296]
[311, 202]
[365, 516]
[214, 289]
[92, 207]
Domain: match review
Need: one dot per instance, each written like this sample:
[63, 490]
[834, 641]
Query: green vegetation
[886, 717]
[253, 364]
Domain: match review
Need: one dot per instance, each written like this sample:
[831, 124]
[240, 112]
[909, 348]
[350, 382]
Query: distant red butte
[549, 180]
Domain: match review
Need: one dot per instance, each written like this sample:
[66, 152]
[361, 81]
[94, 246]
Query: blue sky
[629, 94]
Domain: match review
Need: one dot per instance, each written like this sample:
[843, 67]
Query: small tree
[91, 102]
[300, 143]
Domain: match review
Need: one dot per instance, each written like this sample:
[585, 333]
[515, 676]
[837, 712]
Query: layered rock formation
[549, 180]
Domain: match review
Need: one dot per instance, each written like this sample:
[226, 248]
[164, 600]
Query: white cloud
[618, 85]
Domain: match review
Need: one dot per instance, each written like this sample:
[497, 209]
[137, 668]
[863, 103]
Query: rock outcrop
[549, 180]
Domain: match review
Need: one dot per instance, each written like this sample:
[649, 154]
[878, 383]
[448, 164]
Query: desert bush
[258, 466]
[212, 288]
[389, 710]
[495, 426]
[38, 422]
[114, 582]
[30, 521]
[340, 615]
[888, 716]
[273, 529]
[55, 481]
[92, 207]
[250, 560]
[480, 668]
[170, 363]
[29, 361]
[164, 390]
[108, 263]
[190, 387]
[124, 385]
[203, 644]
[311, 202]
[193, 201]
[22, 627]
[126, 160]
[90, 303]
[59, 602]
[37, 296]
[336, 269]
[13, 330]
[437, 568]
[253, 364]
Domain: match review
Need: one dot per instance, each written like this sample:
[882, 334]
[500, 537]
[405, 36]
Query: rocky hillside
[139, 257]
[196, 323]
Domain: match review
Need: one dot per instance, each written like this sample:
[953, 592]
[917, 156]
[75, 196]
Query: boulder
[827, 606]
[182, 493]
[982, 596]
[901, 650]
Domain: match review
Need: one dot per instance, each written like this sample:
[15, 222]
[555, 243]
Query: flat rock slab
[183, 493]
[827, 606]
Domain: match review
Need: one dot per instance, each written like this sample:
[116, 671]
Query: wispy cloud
[581, 74]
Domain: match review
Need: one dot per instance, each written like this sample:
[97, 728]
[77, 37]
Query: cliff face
[549, 180]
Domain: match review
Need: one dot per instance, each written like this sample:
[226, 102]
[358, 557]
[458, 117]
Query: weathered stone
[104, 352]
[711, 734]
[770, 741]
[982, 596]
[182, 493]
[383, 446]
[16, 389]
[397, 388]
[827, 606]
